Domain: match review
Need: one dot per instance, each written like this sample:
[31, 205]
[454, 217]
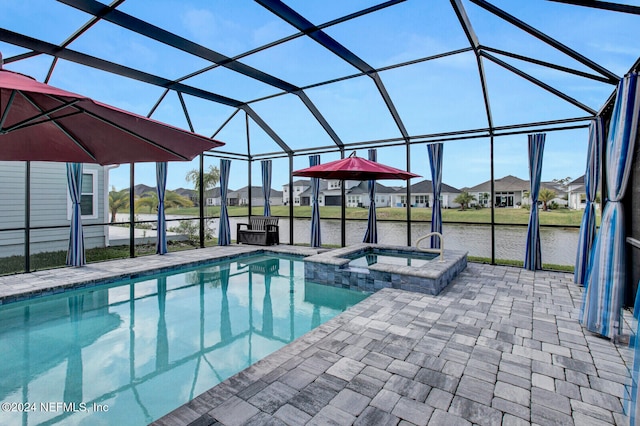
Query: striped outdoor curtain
[266, 185]
[435, 163]
[633, 410]
[603, 296]
[161, 185]
[316, 241]
[591, 178]
[224, 232]
[75, 254]
[533, 256]
[371, 235]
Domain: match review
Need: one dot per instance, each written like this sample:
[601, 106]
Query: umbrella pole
[132, 217]
[343, 208]
[291, 198]
[27, 217]
[201, 199]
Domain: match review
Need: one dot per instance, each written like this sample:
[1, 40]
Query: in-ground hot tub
[371, 267]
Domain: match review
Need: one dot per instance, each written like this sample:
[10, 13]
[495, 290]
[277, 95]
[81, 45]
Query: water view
[559, 245]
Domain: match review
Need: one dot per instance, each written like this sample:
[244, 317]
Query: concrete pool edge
[331, 268]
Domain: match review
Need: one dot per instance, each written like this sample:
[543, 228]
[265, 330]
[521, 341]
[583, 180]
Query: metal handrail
[432, 250]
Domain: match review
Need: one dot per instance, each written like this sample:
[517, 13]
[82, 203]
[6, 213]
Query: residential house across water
[240, 197]
[357, 194]
[511, 191]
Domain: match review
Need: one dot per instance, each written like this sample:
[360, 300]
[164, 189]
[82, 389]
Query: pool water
[365, 260]
[130, 352]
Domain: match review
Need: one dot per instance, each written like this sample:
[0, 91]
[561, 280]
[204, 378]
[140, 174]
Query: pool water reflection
[146, 346]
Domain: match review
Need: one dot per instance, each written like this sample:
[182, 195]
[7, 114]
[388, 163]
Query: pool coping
[32, 285]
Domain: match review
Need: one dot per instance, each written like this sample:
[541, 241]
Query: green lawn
[505, 215]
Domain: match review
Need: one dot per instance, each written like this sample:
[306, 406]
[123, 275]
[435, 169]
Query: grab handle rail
[432, 250]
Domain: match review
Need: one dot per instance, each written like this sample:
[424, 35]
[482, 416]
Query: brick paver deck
[499, 345]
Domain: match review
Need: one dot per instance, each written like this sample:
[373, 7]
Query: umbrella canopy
[39, 122]
[354, 168]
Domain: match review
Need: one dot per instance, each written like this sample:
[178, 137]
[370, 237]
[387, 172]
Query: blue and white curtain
[266, 185]
[533, 254]
[316, 241]
[607, 267]
[161, 185]
[435, 163]
[75, 255]
[633, 410]
[591, 179]
[371, 235]
[224, 231]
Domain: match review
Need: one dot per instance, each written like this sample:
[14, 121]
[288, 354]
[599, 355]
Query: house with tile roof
[299, 186]
[577, 194]
[511, 191]
[422, 195]
[240, 197]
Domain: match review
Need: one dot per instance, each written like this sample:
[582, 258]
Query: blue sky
[436, 96]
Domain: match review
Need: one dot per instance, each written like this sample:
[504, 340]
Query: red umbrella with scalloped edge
[354, 168]
[39, 122]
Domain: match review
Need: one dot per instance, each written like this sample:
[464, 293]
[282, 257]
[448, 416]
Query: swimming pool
[130, 352]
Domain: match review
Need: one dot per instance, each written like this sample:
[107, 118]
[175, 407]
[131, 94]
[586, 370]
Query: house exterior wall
[275, 200]
[297, 191]
[216, 201]
[50, 206]
[421, 200]
[577, 201]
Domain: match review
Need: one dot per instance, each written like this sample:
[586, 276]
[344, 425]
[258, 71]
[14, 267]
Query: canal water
[559, 245]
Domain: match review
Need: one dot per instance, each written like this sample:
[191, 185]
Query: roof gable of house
[256, 192]
[299, 182]
[426, 187]
[363, 188]
[508, 183]
[578, 181]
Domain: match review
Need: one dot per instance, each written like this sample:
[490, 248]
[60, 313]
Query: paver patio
[500, 345]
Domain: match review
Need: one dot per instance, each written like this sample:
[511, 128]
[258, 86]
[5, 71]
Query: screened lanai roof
[301, 76]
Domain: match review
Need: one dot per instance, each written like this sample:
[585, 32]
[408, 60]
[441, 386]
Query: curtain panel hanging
[266, 185]
[605, 282]
[224, 231]
[316, 240]
[371, 234]
[161, 185]
[533, 256]
[75, 254]
[591, 180]
[435, 163]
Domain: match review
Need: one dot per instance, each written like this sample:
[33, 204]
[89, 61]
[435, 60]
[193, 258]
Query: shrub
[191, 230]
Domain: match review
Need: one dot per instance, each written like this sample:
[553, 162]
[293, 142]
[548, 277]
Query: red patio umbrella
[354, 168]
[40, 122]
